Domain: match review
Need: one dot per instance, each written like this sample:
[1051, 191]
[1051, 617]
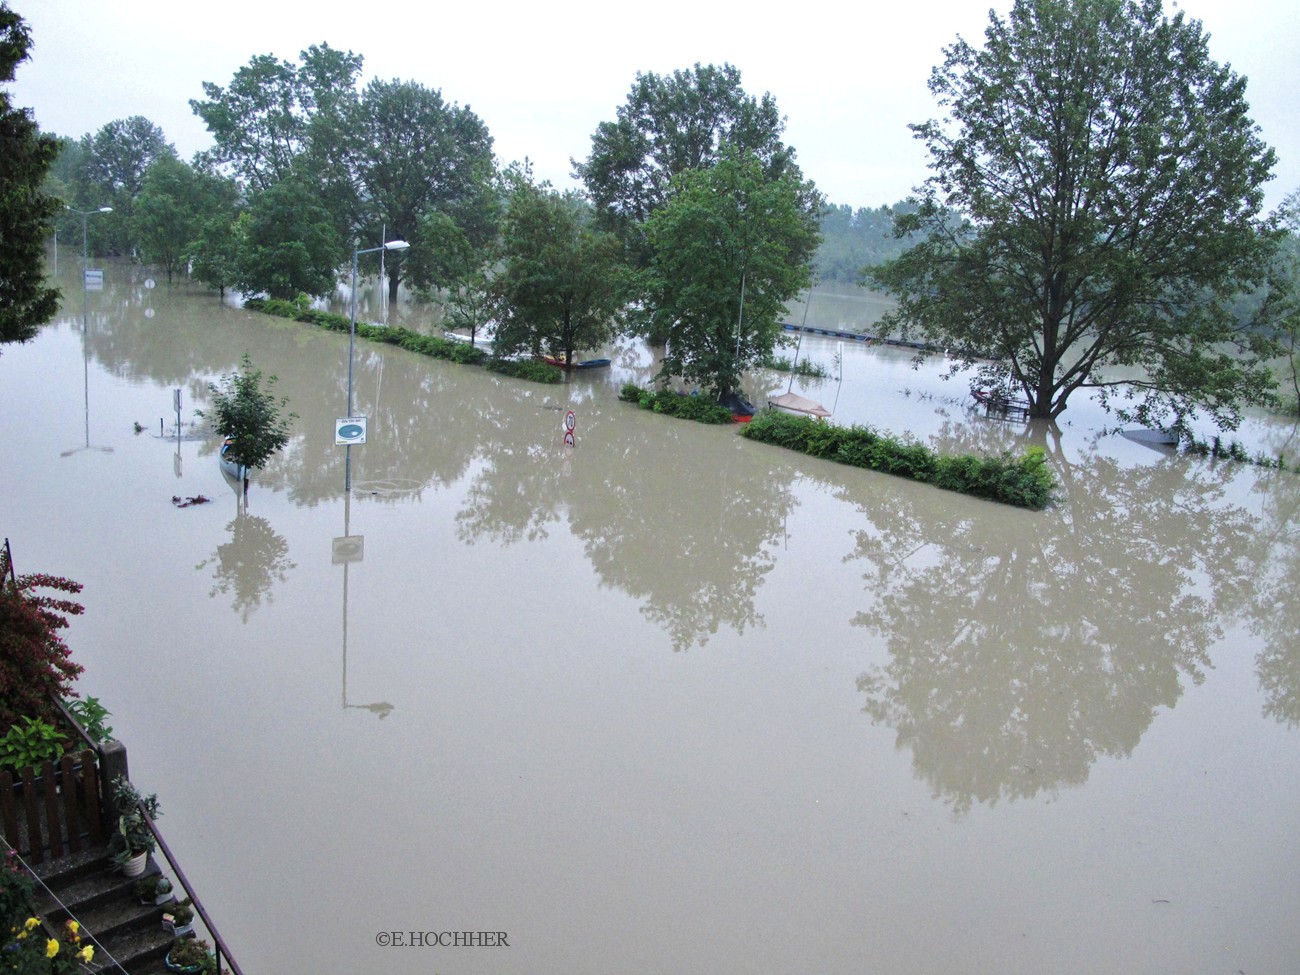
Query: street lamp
[392, 245]
[85, 256]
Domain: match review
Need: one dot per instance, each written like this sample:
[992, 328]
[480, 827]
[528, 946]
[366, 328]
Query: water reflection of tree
[247, 565]
[1274, 613]
[683, 527]
[1023, 647]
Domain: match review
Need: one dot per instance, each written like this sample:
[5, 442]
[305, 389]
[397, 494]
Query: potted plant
[132, 841]
[155, 889]
[179, 918]
[191, 955]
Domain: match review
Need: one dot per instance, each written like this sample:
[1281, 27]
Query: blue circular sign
[351, 431]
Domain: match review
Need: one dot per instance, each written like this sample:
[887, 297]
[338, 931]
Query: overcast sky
[542, 76]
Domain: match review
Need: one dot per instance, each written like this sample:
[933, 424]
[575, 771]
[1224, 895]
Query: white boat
[797, 405]
[228, 467]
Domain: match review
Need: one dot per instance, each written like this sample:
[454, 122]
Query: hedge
[430, 345]
[1023, 481]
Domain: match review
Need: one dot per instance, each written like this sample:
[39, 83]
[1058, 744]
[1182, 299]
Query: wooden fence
[53, 810]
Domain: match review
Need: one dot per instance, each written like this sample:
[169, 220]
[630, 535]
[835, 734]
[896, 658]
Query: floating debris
[186, 502]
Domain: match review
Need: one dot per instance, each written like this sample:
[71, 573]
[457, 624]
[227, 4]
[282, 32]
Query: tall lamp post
[85, 255]
[392, 245]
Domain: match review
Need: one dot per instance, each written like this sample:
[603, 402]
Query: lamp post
[85, 256]
[392, 245]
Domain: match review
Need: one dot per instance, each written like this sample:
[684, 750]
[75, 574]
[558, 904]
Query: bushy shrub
[701, 409]
[1024, 481]
[35, 663]
[530, 369]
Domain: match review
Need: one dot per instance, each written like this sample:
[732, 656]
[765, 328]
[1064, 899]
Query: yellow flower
[74, 927]
[85, 954]
[51, 948]
[30, 923]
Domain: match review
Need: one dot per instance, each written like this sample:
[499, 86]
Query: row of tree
[1094, 213]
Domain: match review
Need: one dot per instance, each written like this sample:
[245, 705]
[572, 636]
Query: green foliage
[530, 369]
[166, 214]
[90, 714]
[562, 284]
[132, 835]
[853, 240]
[26, 213]
[415, 155]
[288, 243]
[804, 367]
[1093, 212]
[276, 116]
[29, 743]
[249, 415]
[1025, 481]
[35, 663]
[701, 409]
[192, 955]
[728, 251]
[112, 168]
[673, 124]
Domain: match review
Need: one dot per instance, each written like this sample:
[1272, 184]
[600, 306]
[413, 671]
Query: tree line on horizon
[1071, 229]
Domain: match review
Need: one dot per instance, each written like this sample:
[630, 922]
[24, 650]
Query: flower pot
[173, 967]
[134, 867]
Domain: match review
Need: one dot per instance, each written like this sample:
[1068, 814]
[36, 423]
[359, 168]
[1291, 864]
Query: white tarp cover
[794, 403]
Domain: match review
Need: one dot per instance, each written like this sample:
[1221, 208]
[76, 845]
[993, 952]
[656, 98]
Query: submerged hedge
[1023, 481]
[697, 408]
[430, 345]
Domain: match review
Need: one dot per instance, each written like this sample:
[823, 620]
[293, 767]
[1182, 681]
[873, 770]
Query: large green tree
[288, 244]
[413, 155]
[275, 112]
[729, 249]
[26, 213]
[167, 214]
[561, 285]
[1108, 176]
[113, 164]
[671, 124]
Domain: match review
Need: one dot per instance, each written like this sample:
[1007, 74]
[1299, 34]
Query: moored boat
[797, 405]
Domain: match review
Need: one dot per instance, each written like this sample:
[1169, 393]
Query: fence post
[112, 763]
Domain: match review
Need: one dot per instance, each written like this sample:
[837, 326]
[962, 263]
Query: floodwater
[668, 701]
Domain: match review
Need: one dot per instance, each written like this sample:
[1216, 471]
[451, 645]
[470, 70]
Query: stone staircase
[128, 936]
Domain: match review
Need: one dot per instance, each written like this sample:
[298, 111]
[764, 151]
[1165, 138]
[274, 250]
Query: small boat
[797, 405]
[742, 410]
[228, 467]
[559, 363]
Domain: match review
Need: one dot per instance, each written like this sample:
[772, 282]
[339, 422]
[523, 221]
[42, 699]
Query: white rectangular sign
[349, 430]
[94, 279]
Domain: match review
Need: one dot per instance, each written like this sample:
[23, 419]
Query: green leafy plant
[181, 913]
[192, 955]
[132, 835]
[90, 714]
[29, 743]
[701, 409]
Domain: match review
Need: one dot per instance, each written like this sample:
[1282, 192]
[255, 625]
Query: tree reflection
[1023, 647]
[1275, 611]
[247, 565]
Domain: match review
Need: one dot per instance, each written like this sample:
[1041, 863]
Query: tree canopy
[1106, 180]
[672, 124]
[26, 213]
[562, 284]
[728, 250]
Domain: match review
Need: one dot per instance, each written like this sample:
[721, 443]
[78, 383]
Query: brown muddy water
[668, 701]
